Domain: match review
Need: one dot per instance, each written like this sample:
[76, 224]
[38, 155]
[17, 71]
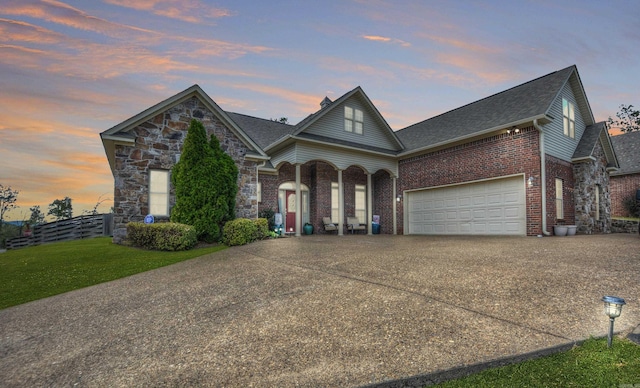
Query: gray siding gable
[328, 123]
[331, 126]
[556, 143]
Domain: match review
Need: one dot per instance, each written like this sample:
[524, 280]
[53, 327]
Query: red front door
[290, 222]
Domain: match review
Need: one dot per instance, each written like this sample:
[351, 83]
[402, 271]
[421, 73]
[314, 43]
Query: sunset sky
[72, 69]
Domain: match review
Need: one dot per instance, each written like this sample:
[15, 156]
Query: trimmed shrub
[269, 214]
[205, 181]
[262, 228]
[631, 206]
[169, 236]
[240, 231]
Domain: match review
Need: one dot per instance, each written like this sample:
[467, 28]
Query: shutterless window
[334, 202]
[559, 200]
[159, 192]
[353, 120]
[569, 120]
[361, 203]
[598, 195]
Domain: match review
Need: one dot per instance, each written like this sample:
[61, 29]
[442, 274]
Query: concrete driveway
[326, 311]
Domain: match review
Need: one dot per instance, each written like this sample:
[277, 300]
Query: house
[514, 163]
[626, 181]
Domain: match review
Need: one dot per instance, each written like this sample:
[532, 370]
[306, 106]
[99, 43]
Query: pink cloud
[186, 10]
[61, 13]
[384, 39]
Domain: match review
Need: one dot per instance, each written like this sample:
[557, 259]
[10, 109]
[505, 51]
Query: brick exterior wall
[622, 187]
[560, 169]
[158, 141]
[383, 200]
[318, 176]
[496, 156]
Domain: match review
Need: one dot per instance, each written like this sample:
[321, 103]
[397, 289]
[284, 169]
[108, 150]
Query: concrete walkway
[326, 311]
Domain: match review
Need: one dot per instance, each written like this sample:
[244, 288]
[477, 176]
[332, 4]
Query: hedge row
[242, 231]
[169, 236]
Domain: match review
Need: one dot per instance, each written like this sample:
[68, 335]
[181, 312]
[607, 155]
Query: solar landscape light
[612, 308]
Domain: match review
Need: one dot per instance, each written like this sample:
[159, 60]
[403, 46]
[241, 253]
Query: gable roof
[512, 107]
[587, 145]
[627, 148]
[326, 107]
[121, 132]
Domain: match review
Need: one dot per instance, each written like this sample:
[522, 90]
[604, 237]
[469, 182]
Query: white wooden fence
[72, 229]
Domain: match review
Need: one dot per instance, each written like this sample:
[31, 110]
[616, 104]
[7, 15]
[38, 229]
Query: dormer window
[353, 120]
[569, 119]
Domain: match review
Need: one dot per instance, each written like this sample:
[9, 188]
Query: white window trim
[361, 208]
[597, 192]
[353, 120]
[335, 195]
[158, 199]
[559, 199]
[568, 118]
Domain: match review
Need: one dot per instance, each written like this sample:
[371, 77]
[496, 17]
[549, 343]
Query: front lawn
[590, 365]
[38, 272]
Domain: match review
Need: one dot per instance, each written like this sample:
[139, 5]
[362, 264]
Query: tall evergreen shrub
[205, 180]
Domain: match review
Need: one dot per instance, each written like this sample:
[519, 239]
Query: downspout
[543, 178]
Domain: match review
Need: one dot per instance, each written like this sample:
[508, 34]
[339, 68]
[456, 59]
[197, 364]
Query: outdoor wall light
[530, 182]
[513, 129]
[612, 308]
[399, 198]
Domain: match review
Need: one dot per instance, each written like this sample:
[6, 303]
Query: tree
[94, 211]
[205, 178]
[282, 120]
[61, 209]
[628, 119]
[8, 198]
[37, 216]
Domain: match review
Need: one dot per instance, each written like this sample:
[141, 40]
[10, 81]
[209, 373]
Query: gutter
[543, 178]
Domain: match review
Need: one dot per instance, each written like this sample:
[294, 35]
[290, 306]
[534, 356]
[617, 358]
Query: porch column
[369, 205]
[395, 206]
[340, 204]
[298, 202]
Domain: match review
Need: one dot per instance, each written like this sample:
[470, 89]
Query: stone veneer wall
[588, 176]
[158, 142]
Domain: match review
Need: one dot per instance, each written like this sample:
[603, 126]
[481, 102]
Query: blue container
[375, 228]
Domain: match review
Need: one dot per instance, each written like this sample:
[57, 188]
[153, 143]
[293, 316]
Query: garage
[490, 207]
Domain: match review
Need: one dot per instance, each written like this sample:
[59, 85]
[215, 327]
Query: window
[598, 193]
[353, 120]
[159, 192]
[259, 192]
[334, 202]
[569, 120]
[361, 203]
[559, 200]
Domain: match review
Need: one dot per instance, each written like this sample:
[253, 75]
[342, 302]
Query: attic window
[353, 120]
[569, 120]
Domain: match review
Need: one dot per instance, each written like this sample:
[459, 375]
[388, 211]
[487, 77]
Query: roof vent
[325, 103]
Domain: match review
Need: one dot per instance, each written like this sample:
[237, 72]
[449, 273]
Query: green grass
[38, 272]
[590, 365]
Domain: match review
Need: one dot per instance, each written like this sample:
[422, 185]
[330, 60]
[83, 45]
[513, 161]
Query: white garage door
[488, 207]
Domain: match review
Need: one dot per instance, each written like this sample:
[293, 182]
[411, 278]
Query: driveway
[325, 311]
